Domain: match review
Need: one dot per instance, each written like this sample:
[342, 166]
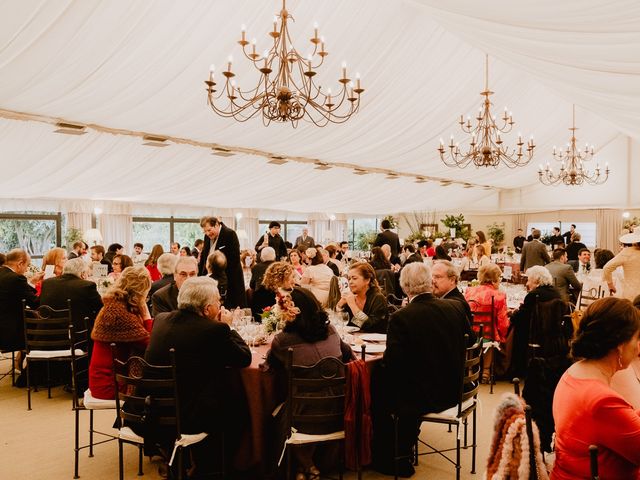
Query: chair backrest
[79, 336]
[590, 295]
[149, 391]
[316, 395]
[471, 366]
[46, 328]
[550, 329]
[386, 280]
[484, 322]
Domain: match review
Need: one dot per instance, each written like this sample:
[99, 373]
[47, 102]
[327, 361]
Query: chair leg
[76, 449]
[120, 460]
[340, 474]
[492, 379]
[28, 386]
[48, 379]
[395, 446]
[140, 472]
[223, 470]
[180, 463]
[458, 452]
[13, 369]
[289, 463]
[90, 433]
[473, 445]
[465, 432]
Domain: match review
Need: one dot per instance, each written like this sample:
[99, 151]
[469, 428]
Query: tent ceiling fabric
[140, 66]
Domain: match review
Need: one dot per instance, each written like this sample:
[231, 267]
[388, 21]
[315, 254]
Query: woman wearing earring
[586, 410]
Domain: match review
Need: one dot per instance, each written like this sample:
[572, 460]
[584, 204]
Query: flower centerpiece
[275, 318]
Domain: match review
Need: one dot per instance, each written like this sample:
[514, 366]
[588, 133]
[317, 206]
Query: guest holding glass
[479, 299]
[586, 410]
[365, 303]
[124, 320]
[308, 332]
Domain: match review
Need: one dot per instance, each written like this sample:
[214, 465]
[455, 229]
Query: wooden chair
[316, 396]
[12, 370]
[587, 297]
[82, 400]
[456, 415]
[593, 462]
[151, 396]
[484, 323]
[46, 338]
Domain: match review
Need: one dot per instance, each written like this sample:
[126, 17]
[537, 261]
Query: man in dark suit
[272, 239]
[79, 249]
[166, 299]
[575, 246]
[220, 237]
[582, 265]
[205, 349]
[556, 238]
[73, 285]
[13, 289]
[388, 237]
[421, 367]
[534, 252]
[518, 240]
[568, 235]
[563, 275]
[445, 285]
[305, 239]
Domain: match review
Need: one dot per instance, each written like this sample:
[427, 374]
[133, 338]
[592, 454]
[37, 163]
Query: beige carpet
[38, 444]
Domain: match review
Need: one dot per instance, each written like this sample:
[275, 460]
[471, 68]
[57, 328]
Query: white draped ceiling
[125, 67]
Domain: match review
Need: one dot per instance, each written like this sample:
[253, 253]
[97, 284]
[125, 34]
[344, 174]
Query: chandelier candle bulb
[315, 30]
[344, 69]
[275, 24]
[243, 30]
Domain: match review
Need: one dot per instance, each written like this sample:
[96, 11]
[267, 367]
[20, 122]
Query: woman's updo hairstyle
[607, 323]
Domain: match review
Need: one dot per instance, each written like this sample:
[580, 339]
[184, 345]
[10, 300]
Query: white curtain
[79, 220]
[608, 229]
[116, 229]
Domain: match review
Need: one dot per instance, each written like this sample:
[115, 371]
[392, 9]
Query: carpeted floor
[38, 444]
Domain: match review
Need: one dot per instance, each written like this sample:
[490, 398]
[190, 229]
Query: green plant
[631, 222]
[73, 235]
[496, 233]
[452, 221]
[364, 240]
[392, 221]
[415, 221]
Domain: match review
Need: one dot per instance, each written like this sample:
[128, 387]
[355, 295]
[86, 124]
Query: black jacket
[165, 299]
[14, 288]
[390, 238]
[456, 295]
[276, 242]
[84, 296]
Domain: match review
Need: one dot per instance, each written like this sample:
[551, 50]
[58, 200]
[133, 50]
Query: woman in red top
[586, 410]
[152, 262]
[124, 320]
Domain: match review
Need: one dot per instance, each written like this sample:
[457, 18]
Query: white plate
[374, 337]
[351, 329]
[371, 348]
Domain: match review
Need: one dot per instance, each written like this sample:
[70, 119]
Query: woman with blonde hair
[152, 262]
[479, 299]
[124, 320]
[57, 257]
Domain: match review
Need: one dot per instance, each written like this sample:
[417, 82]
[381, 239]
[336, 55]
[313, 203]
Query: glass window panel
[151, 233]
[186, 233]
[294, 230]
[360, 232]
[34, 236]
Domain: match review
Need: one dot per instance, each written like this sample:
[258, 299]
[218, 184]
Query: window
[150, 231]
[361, 232]
[587, 230]
[289, 230]
[186, 233]
[35, 233]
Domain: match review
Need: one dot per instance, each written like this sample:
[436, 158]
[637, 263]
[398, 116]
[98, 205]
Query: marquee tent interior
[125, 69]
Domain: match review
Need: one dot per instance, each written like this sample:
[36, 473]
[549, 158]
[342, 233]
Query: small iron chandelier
[487, 148]
[572, 171]
[286, 91]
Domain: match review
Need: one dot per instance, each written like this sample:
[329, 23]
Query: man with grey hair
[166, 266]
[421, 368]
[445, 284]
[73, 285]
[267, 257]
[206, 351]
[166, 298]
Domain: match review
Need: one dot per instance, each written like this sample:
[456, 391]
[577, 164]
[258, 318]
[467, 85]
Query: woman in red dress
[152, 262]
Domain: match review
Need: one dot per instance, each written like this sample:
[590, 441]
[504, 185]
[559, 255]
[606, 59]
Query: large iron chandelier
[572, 171]
[487, 148]
[286, 91]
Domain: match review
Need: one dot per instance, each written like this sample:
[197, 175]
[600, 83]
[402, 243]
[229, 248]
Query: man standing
[273, 239]
[421, 367]
[568, 235]
[563, 275]
[518, 241]
[13, 288]
[305, 239]
[205, 351]
[534, 252]
[388, 237]
[556, 238]
[220, 237]
[574, 247]
[530, 237]
[445, 285]
[166, 298]
[73, 285]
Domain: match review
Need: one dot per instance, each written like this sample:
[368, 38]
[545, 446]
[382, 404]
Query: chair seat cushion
[53, 353]
[300, 438]
[129, 435]
[449, 413]
[92, 403]
[185, 440]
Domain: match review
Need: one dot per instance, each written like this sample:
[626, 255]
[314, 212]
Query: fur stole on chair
[509, 454]
[115, 323]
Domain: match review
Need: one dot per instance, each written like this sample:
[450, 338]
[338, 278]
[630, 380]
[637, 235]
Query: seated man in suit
[582, 266]
[166, 299]
[205, 349]
[13, 289]
[421, 368]
[445, 285]
[563, 275]
[166, 266]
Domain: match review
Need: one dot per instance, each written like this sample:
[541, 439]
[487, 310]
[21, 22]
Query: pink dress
[482, 295]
